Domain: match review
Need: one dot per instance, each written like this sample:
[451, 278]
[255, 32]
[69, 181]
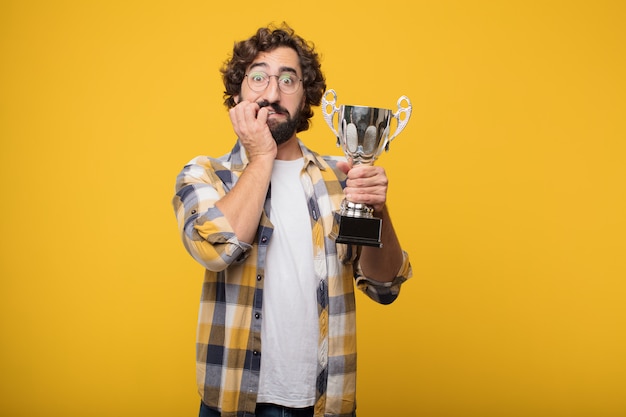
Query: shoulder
[232, 161]
[332, 160]
[207, 170]
[201, 165]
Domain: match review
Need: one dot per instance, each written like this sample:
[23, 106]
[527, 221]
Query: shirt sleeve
[384, 292]
[206, 234]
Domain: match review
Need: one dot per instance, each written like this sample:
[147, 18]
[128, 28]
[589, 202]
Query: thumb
[343, 166]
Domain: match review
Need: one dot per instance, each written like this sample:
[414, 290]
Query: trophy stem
[360, 210]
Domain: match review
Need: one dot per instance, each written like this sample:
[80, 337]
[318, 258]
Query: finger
[366, 171]
[343, 166]
[243, 117]
[262, 114]
[367, 182]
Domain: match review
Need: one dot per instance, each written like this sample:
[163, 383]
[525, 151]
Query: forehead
[277, 60]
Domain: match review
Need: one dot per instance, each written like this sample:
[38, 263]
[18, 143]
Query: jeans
[264, 410]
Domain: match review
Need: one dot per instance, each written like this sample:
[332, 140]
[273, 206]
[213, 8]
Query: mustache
[274, 106]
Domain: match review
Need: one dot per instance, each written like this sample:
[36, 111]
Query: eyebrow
[281, 69]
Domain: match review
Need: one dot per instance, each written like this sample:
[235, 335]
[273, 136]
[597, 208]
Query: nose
[272, 92]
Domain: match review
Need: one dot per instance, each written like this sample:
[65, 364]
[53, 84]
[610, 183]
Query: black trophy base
[357, 230]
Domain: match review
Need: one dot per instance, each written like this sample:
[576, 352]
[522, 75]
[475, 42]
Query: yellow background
[507, 188]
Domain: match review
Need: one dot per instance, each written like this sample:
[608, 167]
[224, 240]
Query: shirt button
[257, 315]
[255, 352]
[259, 277]
[264, 239]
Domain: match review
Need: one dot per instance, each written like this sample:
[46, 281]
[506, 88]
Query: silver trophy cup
[363, 134]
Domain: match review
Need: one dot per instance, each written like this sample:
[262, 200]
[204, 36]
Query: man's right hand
[249, 121]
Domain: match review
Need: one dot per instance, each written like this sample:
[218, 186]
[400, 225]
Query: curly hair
[268, 39]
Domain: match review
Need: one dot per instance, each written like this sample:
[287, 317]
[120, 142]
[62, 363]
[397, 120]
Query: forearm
[383, 264]
[243, 205]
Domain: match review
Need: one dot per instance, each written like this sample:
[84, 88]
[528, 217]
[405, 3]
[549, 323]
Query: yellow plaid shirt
[228, 349]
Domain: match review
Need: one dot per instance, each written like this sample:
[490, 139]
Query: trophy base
[357, 230]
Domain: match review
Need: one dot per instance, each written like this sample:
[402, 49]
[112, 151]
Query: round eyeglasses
[287, 82]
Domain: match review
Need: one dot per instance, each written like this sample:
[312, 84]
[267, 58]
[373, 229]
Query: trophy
[363, 133]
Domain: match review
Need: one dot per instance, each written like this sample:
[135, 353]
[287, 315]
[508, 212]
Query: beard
[281, 131]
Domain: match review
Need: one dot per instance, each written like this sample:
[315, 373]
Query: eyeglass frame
[299, 80]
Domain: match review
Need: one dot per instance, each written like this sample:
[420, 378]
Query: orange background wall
[507, 188]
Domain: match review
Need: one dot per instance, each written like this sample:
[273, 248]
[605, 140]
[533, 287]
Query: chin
[282, 133]
[281, 141]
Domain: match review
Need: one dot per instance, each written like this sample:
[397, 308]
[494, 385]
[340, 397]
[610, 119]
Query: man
[276, 331]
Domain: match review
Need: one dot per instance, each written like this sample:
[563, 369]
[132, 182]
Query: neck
[289, 150]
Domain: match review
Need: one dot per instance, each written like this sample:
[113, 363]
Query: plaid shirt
[228, 357]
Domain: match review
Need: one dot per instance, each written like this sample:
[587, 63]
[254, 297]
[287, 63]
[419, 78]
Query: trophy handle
[329, 116]
[397, 115]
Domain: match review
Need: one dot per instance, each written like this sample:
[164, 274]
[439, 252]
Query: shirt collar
[239, 158]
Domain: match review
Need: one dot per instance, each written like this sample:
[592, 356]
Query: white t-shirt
[290, 330]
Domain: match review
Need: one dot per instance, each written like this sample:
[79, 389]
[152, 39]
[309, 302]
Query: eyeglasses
[288, 82]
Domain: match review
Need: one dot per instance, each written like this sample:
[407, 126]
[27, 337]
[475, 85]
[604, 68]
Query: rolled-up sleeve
[384, 292]
[206, 233]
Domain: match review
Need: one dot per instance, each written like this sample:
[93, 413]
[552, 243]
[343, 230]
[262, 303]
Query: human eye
[287, 79]
[258, 76]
